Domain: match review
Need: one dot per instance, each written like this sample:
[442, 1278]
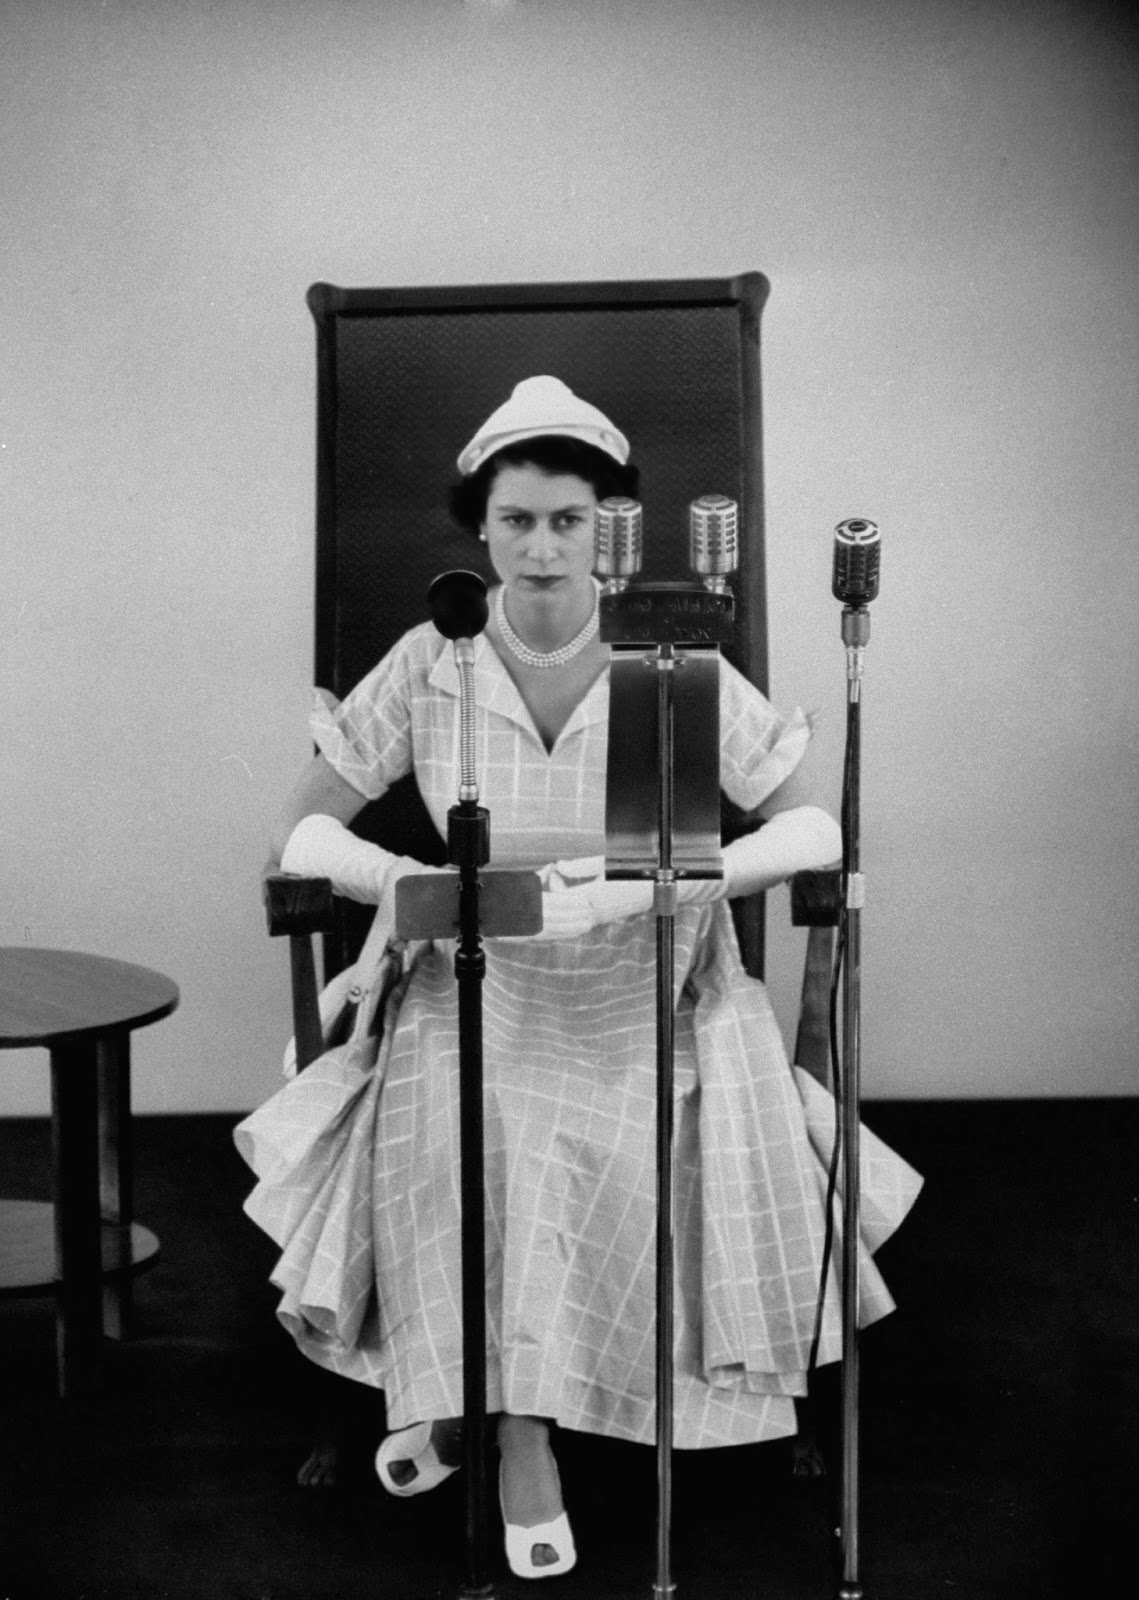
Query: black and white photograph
[568, 852]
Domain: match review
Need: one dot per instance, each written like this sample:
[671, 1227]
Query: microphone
[857, 553]
[458, 605]
[459, 611]
[713, 539]
[618, 541]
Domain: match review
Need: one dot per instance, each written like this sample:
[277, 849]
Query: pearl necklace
[552, 658]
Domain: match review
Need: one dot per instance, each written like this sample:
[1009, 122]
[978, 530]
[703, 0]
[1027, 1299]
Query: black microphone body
[458, 604]
[857, 556]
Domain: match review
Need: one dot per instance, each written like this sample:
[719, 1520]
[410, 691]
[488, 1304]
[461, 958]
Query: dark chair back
[406, 376]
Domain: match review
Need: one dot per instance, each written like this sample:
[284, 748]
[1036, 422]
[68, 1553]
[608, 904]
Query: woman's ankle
[522, 1432]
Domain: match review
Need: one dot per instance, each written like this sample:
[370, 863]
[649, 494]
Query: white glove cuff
[792, 841]
[321, 847]
[615, 899]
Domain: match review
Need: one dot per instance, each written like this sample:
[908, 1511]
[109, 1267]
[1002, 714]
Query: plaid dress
[358, 1160]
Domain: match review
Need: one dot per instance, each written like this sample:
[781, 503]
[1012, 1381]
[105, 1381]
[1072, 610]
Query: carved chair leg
[306, 1003]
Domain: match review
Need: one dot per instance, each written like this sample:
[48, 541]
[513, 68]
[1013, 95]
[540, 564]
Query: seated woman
[359, 1170]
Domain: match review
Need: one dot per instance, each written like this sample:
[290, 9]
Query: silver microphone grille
[857, 558]
[618, 537]
[713, 535]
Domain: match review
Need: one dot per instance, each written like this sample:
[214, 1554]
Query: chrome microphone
[857, 554]
[713, 539]
[618, 525]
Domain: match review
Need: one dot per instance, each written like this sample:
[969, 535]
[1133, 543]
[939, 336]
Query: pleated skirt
[357, 1162]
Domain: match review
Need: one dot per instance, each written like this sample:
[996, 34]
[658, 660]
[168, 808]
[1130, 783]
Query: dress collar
[496, 692]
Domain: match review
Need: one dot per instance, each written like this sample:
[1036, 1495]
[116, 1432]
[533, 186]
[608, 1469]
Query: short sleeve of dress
[366, 736]
[758, 747]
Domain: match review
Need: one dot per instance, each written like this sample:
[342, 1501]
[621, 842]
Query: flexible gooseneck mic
[471, 904]
[459, 611]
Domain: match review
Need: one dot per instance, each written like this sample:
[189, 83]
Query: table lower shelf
[27, 1248]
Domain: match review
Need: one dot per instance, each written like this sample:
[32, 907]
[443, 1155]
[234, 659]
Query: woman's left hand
[569, 912]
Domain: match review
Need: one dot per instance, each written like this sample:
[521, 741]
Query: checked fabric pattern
[357, 1158]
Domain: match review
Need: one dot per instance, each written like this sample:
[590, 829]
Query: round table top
[48, 995]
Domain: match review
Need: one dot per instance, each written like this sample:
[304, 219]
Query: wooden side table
[85, 1247]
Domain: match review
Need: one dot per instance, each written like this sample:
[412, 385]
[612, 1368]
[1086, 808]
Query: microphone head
[857, 553]
[458, 604]
[618, 525]
[713, 535]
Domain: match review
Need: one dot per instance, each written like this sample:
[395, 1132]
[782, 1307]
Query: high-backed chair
[404, 376]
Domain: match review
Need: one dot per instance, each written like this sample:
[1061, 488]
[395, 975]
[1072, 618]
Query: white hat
[541, 406]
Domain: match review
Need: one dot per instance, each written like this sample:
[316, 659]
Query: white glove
[567, 874]
[568, 913]
[577, 897]
[321, 847]
[789, 842]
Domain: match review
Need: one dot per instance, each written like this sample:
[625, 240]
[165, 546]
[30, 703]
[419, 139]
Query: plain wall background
[943, 195]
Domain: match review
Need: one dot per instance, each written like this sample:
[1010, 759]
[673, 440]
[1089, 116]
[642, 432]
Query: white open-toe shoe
[411, 1444]
[520, 1544]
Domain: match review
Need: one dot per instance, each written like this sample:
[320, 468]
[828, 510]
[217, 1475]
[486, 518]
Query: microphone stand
[855, 635]
[670, 834]
[496, 903]
[468, 848]
[664, 906]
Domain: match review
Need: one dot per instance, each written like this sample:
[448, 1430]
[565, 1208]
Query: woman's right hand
[322, 847]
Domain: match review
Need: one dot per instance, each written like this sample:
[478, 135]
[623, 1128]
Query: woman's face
[539, 531]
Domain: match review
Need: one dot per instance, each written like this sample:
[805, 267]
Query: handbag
[352, 1005]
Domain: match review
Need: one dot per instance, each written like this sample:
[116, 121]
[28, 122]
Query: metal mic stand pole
[664, 905]
[855, 634]
[468, 848]
[425, 908]
[468, 838]
[661, 829]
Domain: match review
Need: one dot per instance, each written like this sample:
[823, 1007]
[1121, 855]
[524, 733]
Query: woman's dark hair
[552, 453]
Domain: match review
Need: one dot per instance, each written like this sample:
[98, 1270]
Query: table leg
[116, 1173]
[78, 1246]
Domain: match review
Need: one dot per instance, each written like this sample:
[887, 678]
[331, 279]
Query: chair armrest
[816, 898]
[301, 907]
[296, 905]
[816, 904]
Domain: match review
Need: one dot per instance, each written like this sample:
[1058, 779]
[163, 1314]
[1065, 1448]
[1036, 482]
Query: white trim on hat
[539, 406]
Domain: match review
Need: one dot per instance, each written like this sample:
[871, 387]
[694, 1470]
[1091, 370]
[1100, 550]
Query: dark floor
[1000, 1407]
